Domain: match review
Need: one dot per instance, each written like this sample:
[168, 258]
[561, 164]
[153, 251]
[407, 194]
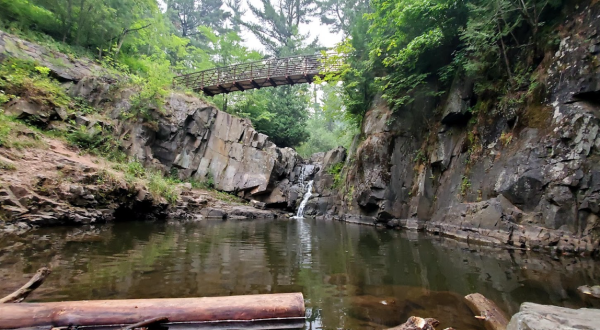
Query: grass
[159, 186]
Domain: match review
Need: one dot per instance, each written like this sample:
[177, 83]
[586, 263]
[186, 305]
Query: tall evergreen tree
[188, 15]
[341, 15]
[278, 25]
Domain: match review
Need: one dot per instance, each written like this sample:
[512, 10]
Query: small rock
[258, 205]
[89, 197]
[593, 291]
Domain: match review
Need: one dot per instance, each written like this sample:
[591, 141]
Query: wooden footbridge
[266, 73]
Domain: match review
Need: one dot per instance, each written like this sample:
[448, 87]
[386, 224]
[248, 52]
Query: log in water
[485, 309]
[111, 312]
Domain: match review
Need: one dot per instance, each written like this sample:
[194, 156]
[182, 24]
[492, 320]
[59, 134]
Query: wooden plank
[485, 310]
[123, 312]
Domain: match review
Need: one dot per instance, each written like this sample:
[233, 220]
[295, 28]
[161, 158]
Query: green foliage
[411, 41]
[153, 88]
[87, 138]
[277, 25]
[329, 125]
[285, 115]
[5, 130]
[97, 141]
[25, 79]
[135, 170]
[356, 69]
[501, 39]
[413, 45]
[189, 15]
[336, 171]
[465, 185]
[160, 186]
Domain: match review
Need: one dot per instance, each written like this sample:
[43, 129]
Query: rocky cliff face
[188, 137]
[531, 182]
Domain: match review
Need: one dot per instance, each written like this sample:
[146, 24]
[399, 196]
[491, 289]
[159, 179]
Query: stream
[352, 276]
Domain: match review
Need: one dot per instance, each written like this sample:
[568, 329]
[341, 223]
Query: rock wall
[531, 182]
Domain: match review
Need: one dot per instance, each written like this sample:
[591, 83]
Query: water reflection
[353, 277]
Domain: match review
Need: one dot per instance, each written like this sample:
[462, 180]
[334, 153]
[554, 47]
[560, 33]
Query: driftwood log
[255, 308]
[26, 289]
[485, 310]
[417, 323]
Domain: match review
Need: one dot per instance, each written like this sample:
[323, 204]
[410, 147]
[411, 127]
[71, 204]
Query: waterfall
[307, 195]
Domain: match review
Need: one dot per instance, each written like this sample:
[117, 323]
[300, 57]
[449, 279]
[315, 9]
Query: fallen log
[485, 309]
[254, 308]
[28, 288]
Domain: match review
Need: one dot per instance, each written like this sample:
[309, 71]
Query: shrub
[159, 186]
[336, 172]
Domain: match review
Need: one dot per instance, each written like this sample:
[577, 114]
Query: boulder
[22, 109]
[543, 317]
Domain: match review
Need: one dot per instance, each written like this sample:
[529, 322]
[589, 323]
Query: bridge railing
[265, 69]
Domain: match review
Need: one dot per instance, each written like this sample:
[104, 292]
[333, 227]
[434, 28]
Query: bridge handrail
[263, 69]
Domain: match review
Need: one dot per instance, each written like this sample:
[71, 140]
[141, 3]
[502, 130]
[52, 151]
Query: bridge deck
[266, 73]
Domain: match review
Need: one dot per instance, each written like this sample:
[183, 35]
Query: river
[352, 276]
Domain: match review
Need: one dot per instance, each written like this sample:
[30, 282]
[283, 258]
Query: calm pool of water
[352, 277]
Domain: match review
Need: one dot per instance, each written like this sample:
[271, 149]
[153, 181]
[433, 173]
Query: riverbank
[50, 183]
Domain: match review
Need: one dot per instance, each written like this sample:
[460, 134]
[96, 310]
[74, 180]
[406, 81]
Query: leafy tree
[327, 125]
[497, 32]
[412, 40]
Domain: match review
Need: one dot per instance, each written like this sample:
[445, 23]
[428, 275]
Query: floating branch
[28, 288]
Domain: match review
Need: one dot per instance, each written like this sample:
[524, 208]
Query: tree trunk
[68, 23]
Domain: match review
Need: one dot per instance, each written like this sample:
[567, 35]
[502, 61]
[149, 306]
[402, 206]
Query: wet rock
[542, 317]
